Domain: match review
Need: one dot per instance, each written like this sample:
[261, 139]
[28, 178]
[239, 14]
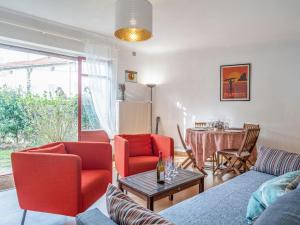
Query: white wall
[126, 61]
[189, 88]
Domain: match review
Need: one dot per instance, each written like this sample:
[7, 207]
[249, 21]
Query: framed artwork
[235, 82]
[130, 76]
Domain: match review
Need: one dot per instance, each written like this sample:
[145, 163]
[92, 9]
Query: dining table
[206, 142]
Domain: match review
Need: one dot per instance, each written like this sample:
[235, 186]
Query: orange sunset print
[235, 82]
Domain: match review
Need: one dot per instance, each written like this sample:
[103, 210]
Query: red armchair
[139, 153]
[62, 178]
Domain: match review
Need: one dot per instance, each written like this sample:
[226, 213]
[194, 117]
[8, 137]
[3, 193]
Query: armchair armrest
[163, 144]
[121, 155]
[47, 182]
[93, 155]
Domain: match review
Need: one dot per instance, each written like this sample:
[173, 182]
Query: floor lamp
[151, 86]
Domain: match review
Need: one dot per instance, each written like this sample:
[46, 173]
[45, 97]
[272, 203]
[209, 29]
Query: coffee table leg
[150, 203]
[120, 187]
[201, 186]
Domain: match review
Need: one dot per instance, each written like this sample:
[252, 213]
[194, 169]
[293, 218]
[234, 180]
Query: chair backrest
[140, 144]
[249, 140]
[249, 125]
[94, 136]
[181, 137]
[200, 124]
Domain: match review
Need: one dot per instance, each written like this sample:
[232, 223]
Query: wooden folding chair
[247, 126]
[250, 125]
[240, 155]
[190, 159]
[200, 124]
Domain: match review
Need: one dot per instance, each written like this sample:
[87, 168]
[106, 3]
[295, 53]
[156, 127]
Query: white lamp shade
[133, 20]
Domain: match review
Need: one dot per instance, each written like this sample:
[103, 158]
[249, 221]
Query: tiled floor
[11, 214]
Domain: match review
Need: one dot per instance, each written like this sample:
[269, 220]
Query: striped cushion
[124, 211]
[276, 162]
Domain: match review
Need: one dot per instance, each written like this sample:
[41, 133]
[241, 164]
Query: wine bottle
[160, 169]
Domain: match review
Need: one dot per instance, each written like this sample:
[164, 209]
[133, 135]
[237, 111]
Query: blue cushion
[285, 211]
[93, 217]
[267, 194]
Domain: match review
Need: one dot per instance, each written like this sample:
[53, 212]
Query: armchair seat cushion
[93, 186]
[141, 164]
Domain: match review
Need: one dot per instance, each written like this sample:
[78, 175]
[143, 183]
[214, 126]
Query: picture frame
[235, 82]
[130, 76]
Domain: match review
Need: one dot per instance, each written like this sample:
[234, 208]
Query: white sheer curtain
[101, 68]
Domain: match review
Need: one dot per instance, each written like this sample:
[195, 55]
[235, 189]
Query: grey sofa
[224, 204]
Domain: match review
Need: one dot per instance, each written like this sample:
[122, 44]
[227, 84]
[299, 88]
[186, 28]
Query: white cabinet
[133, 117]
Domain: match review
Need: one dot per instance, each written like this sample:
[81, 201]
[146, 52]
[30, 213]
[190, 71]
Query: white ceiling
[181, 24]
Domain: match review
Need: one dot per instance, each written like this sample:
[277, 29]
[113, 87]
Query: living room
[187, 108]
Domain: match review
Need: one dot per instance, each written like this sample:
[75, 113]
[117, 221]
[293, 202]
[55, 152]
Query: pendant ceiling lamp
[133, 20]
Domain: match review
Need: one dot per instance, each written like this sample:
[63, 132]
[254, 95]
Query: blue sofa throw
[267, 194]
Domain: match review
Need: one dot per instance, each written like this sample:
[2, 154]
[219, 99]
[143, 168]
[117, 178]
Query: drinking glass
[167, 170]
[176, 166]
[172, 169]
[169, 166]
[226, 125]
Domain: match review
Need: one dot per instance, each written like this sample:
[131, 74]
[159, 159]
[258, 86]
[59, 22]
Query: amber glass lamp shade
[133, 20]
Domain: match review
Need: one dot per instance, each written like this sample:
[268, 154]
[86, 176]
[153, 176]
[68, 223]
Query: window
[38, 100]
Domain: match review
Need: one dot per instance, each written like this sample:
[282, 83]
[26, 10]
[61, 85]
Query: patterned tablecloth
[205, 143]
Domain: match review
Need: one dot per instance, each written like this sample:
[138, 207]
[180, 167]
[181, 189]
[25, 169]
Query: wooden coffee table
[145, 186]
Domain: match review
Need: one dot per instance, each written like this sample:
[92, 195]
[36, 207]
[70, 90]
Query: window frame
[81, 132]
